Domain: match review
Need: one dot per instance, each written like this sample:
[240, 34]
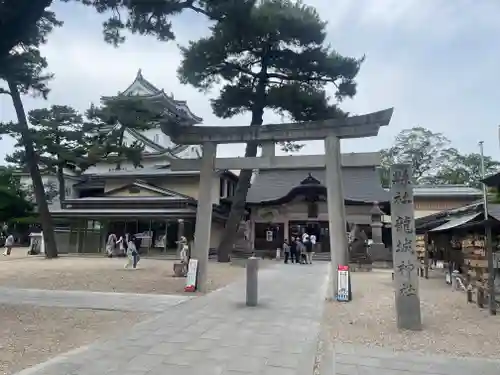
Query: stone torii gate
[331, 131]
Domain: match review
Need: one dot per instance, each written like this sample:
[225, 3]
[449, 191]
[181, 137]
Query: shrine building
[159, 205]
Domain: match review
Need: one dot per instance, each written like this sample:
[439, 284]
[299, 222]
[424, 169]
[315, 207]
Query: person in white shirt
[9, 242]
[312, 238]
[110, 245]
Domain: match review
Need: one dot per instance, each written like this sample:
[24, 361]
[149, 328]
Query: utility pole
[488, 240]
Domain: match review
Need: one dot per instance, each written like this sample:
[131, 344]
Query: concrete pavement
[155, 303]
[349, 359]
[217, 334]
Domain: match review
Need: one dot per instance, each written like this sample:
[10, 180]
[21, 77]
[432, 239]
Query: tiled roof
[361, 184]
[446, 190]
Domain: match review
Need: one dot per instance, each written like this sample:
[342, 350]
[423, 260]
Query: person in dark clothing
[293, 251]
[286, 250]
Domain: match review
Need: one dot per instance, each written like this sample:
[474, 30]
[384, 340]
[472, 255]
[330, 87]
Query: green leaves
[433, 161]
[56, 134]
[24, 65]
[22, 24]
[276, 45]
[13, 199]
[117, 115]
[153, 17]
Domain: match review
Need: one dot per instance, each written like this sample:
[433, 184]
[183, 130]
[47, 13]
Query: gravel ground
[104, 275]
[450, 325]
[30, 335]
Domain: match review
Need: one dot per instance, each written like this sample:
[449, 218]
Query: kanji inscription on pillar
[403, 248]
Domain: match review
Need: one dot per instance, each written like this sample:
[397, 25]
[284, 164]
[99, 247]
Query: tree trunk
[238, 201]
[237, 208]
[61, 182]
[31, 161]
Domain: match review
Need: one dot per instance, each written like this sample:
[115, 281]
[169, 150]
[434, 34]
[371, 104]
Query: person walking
[130, 252]
[293, 251]
[286, 250]
[308, 249]
[110, 245]
[301, 249]
[9, 242]
[313, 240]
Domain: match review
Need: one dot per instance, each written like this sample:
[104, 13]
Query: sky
[437, 62]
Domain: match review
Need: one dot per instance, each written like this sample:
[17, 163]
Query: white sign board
[191, 275]
[343, 290]
[269, 236]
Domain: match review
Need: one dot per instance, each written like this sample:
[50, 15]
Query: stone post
[336, 208]
[252, 281]
[378, 250]
[404, 255]
[165, 242]
[204, 213]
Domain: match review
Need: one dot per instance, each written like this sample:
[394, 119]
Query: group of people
[125, 245]
[300, 249]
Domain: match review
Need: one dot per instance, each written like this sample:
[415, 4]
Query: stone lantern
[378, 251]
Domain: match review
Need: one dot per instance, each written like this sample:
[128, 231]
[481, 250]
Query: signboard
[269, 236]
[191, 275]
[343, 291]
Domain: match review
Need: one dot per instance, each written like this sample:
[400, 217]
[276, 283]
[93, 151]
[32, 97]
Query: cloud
[435, 61]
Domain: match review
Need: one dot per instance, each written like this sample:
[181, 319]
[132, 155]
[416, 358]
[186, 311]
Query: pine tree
[119, 114]
[272, 56]
[19, 19]
[58, 139]
[23, 70]
[152, 18]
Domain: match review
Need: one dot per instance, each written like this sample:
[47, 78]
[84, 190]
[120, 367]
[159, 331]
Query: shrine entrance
[328, 130]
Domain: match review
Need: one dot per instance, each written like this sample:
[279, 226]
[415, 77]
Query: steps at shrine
[322, 257]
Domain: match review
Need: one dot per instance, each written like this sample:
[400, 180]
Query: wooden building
[159, 204]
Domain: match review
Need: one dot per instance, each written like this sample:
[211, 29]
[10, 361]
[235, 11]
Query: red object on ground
[189, 288]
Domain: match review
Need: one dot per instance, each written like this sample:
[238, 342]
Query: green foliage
[22, 68]
[19, 23]
[465, 169]
[152, 18]
[57, 134]
[270, 56]
[424, 150]
[433, 161]
[13, 200]
[107, 125]
[58, 140]
[24, 65]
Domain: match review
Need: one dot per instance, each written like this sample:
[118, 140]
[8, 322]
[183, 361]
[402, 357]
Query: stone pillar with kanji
[403, 253]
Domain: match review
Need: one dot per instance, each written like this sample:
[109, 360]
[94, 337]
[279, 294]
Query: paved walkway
[360, 360]
[217, 334]
[154, 303]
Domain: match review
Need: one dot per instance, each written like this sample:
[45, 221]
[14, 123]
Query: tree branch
[300, 77]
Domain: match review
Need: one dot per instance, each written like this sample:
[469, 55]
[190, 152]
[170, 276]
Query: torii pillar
[331, 131]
